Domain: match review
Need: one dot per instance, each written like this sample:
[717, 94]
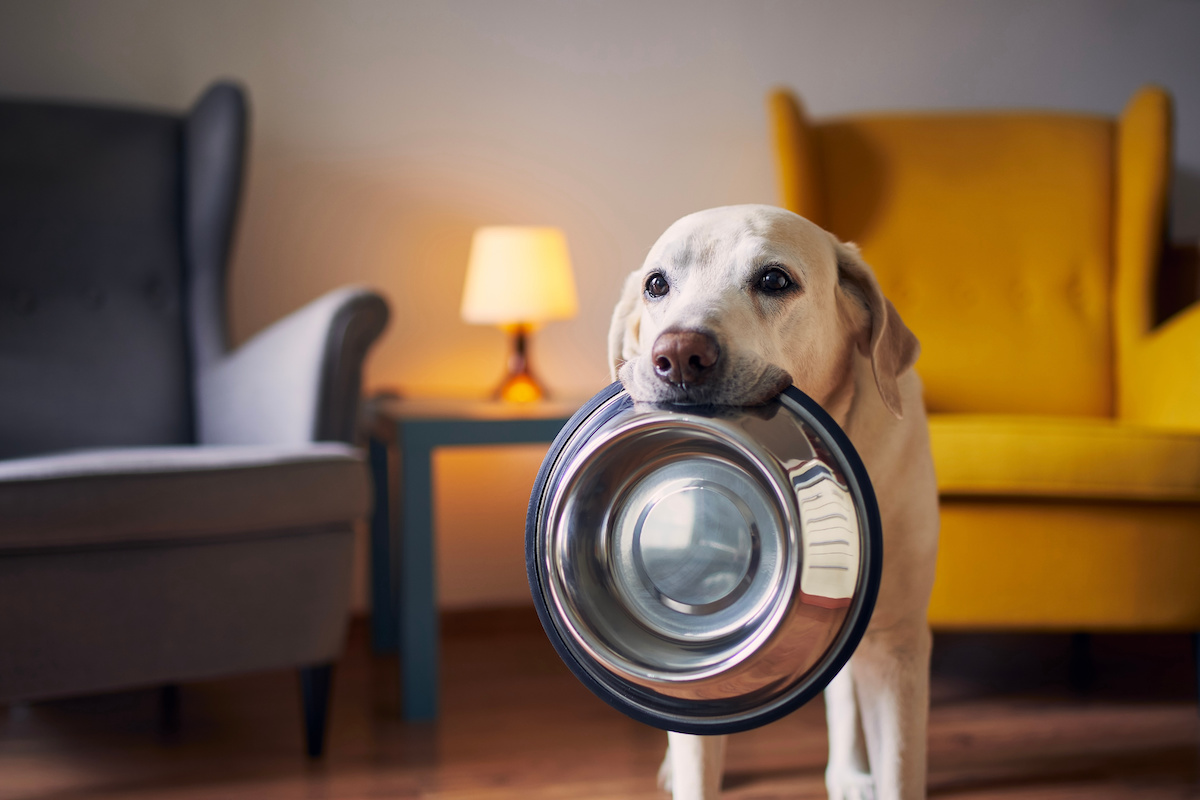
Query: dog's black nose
[684, 357]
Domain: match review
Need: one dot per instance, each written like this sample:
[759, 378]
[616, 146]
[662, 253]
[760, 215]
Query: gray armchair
[170, 510]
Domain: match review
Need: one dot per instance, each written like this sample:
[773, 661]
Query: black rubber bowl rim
[709, 726]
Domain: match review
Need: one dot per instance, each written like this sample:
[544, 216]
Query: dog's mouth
[733, 388]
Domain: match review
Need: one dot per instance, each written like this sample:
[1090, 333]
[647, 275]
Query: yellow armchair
[1023, 250]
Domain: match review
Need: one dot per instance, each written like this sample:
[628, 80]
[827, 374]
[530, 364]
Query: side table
[403, 435]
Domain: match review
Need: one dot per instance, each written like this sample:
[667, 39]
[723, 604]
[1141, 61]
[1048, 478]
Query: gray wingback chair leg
[315, 685]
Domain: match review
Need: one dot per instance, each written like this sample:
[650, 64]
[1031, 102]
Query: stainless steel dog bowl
[703, 569]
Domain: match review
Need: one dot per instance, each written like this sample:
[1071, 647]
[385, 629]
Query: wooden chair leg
[169, 703]
[1082, 666]
[314, 690]
[1196, 651]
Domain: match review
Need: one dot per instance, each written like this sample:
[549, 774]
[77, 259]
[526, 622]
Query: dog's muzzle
[704, 570]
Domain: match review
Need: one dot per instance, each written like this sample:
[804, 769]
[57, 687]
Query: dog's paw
[849, 785]
[664, 773]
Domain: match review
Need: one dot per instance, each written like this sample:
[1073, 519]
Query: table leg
[383, 601]
[418, 623]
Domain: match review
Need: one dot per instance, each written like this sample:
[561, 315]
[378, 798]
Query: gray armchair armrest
[296, 381]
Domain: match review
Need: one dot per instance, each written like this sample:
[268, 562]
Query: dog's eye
[656, 285]
[774, 280]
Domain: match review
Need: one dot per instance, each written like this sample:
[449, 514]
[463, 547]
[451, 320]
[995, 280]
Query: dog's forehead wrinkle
[694, 250]
[759, 252]
[681, 257]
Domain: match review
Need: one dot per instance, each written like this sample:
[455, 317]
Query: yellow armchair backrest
[1001, 239]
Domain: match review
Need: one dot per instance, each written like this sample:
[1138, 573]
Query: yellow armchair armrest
[1160, 385]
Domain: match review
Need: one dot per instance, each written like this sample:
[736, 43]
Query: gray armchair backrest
[115, 227]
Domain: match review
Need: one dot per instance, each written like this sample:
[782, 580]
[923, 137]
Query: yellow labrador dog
[731, 306]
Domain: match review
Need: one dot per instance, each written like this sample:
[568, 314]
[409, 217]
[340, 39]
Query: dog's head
[734, 304]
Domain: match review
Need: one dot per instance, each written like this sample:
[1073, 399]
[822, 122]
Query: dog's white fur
[835, 337]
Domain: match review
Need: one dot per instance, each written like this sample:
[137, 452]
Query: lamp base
[519, 384]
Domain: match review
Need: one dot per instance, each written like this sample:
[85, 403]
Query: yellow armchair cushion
[1069, 458]
[1054, 565]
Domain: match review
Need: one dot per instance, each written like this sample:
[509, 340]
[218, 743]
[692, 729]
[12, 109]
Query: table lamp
[517, 278]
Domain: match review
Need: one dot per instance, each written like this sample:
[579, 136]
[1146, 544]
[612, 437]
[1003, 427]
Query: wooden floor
[1005, 724]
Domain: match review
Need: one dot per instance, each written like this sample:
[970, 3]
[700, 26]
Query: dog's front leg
[848, 774]
[693, 766]
[891, 684]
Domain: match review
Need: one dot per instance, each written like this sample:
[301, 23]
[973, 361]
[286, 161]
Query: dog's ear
[625, 327]
[891, 346]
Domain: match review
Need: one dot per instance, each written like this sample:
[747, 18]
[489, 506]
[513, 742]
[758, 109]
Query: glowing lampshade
[517, 278]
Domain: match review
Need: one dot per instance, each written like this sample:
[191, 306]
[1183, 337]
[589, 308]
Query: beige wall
[384, 132]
